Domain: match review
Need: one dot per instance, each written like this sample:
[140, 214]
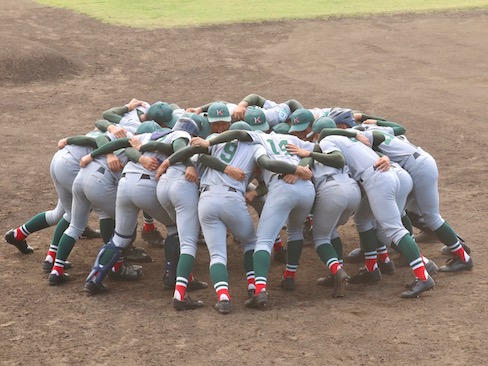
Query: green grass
[180, 13]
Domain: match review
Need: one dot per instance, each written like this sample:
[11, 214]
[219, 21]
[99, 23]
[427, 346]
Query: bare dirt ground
[59, 71]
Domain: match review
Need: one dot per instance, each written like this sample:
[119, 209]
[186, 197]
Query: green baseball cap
[323, 122]
[300, 120]
[282, 128]
[256, 118]
[218, 112]
[148, 127]
[240, 125]
[161, 112]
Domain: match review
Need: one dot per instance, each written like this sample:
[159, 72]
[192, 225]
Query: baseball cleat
[223, 306]
[386, 268]
[364, 276]
[187, 304]
[431, 267]
[196, 285]
[89, 233]
[138, 255]
[327, 281]
[417, 287]
[457, 265]
[259, 301]
[54, 279]
[153, 238]
[288, 283]
[355, 256]
[280, 255]
[426, 236]
[341, 280]
[21, 245]
[91, 288]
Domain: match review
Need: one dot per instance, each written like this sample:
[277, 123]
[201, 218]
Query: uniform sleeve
[115, 114]
[82, 140]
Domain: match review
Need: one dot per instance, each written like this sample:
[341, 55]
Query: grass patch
[182, 13]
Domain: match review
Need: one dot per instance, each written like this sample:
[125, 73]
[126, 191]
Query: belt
[207, 188]
[361, 180]
[415, 155]
[143, 176]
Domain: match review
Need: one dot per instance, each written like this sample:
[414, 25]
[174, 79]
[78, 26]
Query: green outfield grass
[177, 13]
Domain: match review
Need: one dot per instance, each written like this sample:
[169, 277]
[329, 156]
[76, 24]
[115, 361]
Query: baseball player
[64, 168]
[95, 186]
[177, 192]
[289, 201]
[381, 185]
[120, 120]
[222, 206]
[337, 196]
[423, 170]
[136, 191]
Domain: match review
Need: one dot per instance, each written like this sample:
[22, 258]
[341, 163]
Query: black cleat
[138, 255]
[223, 306]
[341, 280]
[91, 288]
[21, 245]
[153, 238]
[327, 281]
[457, 265]
[364, 276]
[417, 287]
[54, 279]
[196, 285]
[89, 233]
[355, 256]
[431, 268]
[259, 301]
[288, 283]
[187, 304]
[386, 268]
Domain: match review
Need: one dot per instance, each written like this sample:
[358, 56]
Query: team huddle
[195, 171]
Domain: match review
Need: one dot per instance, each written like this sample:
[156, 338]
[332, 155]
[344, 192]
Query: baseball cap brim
[299, 127]
[261, 127]
[219, 119]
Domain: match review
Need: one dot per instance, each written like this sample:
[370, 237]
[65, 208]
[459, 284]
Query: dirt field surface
[59, 71]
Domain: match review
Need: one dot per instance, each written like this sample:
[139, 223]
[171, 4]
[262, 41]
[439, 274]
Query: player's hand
[239, 113]
[196, 110]
[117, 131]
[62, 143]
[361, 138]
[135, 143]
[235, 173]
[114, 163]
[370, 121]
[250, 196]
[133, 104]
[295, 150]
[85, 160]
[150, 163]
[304, 172]
[291, 178]
[162, 168]
[199, 142]
[191, 174]
[382, 164]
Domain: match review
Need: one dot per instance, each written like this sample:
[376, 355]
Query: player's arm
[283, 167]
[82, 140]
[334, 158]
[398, 129]
[337, 132]
[294, 104]
[110, 147]
[378, 138]
[165, 148]
[115, 114]
[103, 125]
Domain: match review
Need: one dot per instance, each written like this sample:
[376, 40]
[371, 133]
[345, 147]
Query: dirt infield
[59, 71]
